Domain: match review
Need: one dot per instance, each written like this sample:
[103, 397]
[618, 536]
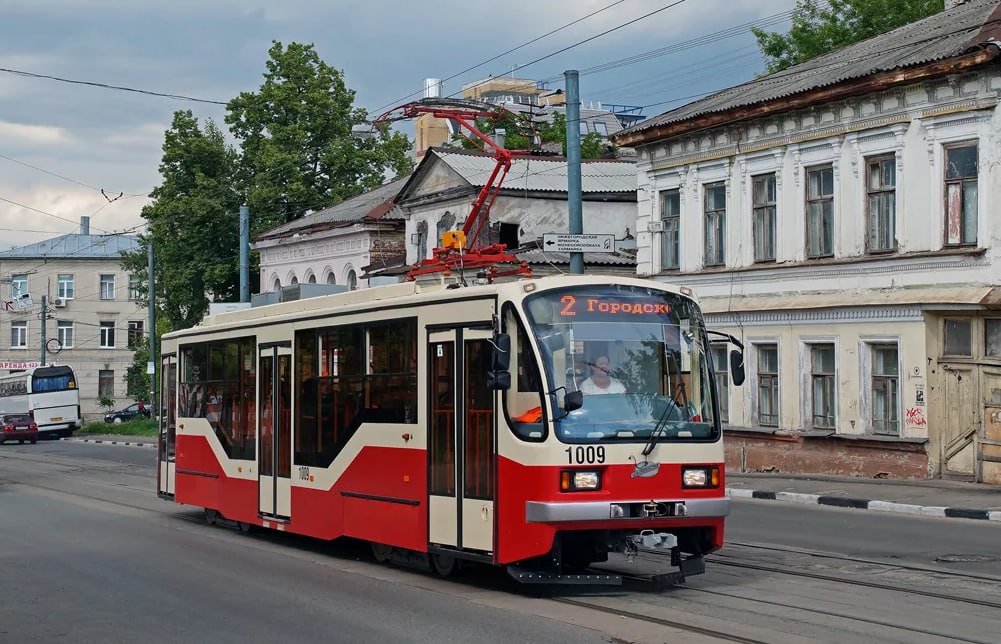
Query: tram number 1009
[586, 455]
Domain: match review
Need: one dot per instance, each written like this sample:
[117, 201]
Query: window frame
[961, 181]
[879, 192]
[62, 326]
[136, 330]
[821, 199]
[22, 326]
[875, 378]
[103, 283]
[670, 221]
[721, 373]
[773, 385]
[133, 289]
[105, 376]
[767, 208]
[714, 222]
[65, 286]
[973, 337]
[15, 280]
[830, 381]
[106, 339]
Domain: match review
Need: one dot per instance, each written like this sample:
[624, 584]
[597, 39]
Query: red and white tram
[537, 424]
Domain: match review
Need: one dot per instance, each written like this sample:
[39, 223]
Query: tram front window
[637, 355]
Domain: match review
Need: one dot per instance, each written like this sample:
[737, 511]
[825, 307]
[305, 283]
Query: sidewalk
[927, 498]
[115, 439]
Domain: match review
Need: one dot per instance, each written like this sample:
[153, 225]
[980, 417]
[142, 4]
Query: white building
[843, 217]
[532, 200]
[94, 317]
[334, 245]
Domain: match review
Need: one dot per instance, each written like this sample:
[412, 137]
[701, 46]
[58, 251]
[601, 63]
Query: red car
[19, 427]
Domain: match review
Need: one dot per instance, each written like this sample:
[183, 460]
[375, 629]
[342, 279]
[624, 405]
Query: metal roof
[76, 246]
[376, 204]
[541, 174]
[943, 35]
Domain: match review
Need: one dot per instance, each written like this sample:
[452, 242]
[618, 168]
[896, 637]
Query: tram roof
[404, 294]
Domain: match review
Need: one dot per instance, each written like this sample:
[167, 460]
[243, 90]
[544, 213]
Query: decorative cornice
[816, 316]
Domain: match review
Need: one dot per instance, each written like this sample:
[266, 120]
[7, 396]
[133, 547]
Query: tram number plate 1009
[588, 455]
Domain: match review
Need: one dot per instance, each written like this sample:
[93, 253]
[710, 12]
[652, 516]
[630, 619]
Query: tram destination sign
[568, 243]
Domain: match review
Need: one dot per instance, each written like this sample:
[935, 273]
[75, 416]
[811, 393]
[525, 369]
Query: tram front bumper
[626, 511]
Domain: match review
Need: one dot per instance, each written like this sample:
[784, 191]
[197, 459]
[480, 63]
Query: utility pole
[151, 321]
[45, 315]
[574, 205]
[244, 253]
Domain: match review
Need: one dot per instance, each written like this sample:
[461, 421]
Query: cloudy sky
[213, 49]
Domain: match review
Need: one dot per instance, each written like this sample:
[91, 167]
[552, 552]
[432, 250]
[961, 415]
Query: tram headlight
[696, 477]
[574, 480]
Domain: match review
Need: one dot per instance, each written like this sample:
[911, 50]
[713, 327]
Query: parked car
[19, 427]
[128, 413]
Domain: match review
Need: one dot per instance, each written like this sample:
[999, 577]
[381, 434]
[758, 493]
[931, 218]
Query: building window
[64, 286]
[722, 380]
[670, 213]
[106, 383]
[422, 240]
[18, 286]
[312, 279]
[583, 127]
[820, 212]
[107, 335]
[135, 333]
[107, 287]
[763, 189]
[961, 170]
[992, 337]
[352, 280]
[446, 223]
[881, 204]
[18, 335]
[133, 287]
[715, 209]
[958, 337]
[64, 331]
[331, 279]
[601, 128]
[768, 384]
[885, 389]
[822, 375]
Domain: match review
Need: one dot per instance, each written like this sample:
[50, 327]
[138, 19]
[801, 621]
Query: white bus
[50, 394]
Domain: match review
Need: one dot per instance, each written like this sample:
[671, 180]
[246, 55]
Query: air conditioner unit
[59, 302]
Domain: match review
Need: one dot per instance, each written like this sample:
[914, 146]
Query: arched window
[276, 285]
[445, 223]
[312, 279]
[331, 279]
[422, 240]
[294, 280]
[352, 280]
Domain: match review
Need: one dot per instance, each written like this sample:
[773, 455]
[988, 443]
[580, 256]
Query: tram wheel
[444, 565]
[211, 516]
[381, 552]
[244, 527]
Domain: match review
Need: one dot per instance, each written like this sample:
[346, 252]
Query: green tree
[820, 26]
[518, 134]
[297, 151]
[193, 223]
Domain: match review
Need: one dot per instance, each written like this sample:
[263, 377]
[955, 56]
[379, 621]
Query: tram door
[274, 434]
[167, 409]
[461, 441]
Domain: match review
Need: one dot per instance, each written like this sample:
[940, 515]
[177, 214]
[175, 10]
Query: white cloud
[144, 135]
[34, 134]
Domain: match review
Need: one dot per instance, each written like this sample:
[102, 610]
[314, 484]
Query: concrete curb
[107, 442]
[865, 504]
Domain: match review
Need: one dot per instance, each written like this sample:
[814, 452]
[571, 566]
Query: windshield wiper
[658, 428]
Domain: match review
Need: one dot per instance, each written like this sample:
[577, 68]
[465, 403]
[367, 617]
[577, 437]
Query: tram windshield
[638, 357]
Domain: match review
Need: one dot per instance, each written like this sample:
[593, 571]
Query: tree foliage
[519, 134]
[820, 26]
[296, 143]
[193, 224]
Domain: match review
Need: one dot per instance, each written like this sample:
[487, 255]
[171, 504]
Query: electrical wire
[120, 88]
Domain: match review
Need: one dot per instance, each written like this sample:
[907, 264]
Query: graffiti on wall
[915, 417]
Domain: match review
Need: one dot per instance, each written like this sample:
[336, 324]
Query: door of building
[274, 431]
[989, 441]
[962, 405]
[461, 441]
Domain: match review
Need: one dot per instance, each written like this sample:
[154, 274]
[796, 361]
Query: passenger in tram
[601, 382]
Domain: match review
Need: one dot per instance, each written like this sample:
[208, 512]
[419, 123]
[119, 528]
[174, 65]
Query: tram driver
[601, 381]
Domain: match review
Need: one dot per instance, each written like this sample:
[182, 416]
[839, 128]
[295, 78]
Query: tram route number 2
[586, 455]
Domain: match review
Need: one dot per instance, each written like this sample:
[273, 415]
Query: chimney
[84, 225]
[500, 137]
[432, 88]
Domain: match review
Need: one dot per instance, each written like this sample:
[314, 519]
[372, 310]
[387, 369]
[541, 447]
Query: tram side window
[219, 384]
[392, 378]
[523, 403]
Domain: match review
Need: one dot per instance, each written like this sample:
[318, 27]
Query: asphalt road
[87, 553]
